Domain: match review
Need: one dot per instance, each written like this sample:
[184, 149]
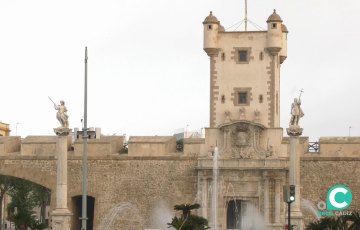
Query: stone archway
[31, 170]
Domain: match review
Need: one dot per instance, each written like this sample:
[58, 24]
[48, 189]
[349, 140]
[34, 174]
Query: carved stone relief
[242, 140]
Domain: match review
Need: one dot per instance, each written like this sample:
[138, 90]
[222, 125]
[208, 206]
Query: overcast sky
[148, 73]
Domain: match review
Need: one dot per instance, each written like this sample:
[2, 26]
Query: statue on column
[296, 112]
[62, 117]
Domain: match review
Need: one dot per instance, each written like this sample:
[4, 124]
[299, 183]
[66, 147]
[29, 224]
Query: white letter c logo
[332, 197]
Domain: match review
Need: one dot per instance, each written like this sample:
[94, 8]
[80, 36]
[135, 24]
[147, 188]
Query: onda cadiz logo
[339, 197]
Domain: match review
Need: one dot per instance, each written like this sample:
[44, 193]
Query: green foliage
[22, 195]
[351, 222]
[23, 218]
[187, 221]
[354, 219]
[37, 225]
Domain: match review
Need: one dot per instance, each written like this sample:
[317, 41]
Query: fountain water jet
[215, 188]
[108, 221]
[307, 205]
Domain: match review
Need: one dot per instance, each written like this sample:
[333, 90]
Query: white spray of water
[116, 212]
[215, 187]
[161, 216]
[308, 206]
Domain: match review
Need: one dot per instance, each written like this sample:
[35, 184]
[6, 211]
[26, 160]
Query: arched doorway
[76, 207]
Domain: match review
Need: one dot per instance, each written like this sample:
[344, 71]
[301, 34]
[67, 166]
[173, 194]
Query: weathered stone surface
[318, 175]
[151, 145]
[145, 183]
[9, 145]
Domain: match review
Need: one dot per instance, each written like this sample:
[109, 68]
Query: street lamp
[349, 130]
[16, 127]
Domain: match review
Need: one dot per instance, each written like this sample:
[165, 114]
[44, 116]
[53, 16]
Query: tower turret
[211, 27]
[274, 39]
[283, 52]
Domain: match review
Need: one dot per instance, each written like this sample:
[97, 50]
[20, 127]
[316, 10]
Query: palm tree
[187, 221]
[186, 208]
[355, 219]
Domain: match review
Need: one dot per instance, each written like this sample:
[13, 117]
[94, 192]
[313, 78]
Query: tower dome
[211, 19]
[274, 17]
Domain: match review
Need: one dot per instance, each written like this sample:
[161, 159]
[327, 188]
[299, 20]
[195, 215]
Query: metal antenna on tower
[245, 15]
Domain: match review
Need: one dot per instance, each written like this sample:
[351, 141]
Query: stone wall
[146, 183]
[319, 174]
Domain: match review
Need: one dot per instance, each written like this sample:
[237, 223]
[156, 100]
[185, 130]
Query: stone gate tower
[245, 71]
[245, 126]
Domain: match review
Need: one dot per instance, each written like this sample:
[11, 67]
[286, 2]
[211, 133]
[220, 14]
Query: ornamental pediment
[242, 140]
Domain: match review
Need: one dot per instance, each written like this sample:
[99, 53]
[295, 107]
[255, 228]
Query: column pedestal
[61, 215]
[297, 217]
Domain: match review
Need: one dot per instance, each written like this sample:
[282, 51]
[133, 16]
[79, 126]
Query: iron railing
[314, 146]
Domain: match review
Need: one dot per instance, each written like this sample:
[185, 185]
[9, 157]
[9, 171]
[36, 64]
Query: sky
[147, 71]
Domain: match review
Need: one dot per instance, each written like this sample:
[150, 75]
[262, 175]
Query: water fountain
[215, 188]
[308, 207]
[114, 214]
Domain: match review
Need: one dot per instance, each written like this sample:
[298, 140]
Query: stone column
[266, 200]
[294, 174]
[277, 200]
[61, 215]
[204, 198]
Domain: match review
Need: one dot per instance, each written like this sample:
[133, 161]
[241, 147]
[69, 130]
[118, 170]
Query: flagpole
[85, 137]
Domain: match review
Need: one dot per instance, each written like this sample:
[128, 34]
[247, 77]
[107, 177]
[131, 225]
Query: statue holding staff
[296, 111]
[61, 115]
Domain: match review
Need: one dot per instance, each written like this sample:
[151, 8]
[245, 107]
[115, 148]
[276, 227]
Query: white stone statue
[296, 112]
[227, 113]
[242, 113]
[257, 113]
[61, 115]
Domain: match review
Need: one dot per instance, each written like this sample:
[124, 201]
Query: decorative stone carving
[257, 119]
[242, 113]
[240, 136]
[210, 152]
[62, 131]
[242, 140]
[296, 112]
[294, 130]
[60, 222]
[271, 152]
[227, 119]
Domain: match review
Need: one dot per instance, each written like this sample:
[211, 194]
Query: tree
[188, 221]
[23, 218]
[22, 197]
[5, 184]
[42, 196]
[355, 221]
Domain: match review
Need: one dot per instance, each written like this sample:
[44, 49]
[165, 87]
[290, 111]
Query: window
[261, 56]
[242, 56]
[260, 98]
[209, 27]
[223, 56]
[242, 98]
[274, 26]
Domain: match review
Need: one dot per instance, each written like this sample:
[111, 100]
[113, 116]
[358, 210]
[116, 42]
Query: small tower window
[242, 98]
[261, 56]
[260, 98]
[209, 27]
[273, 25]
[223, 56]
[223, 98]
[242, 56]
